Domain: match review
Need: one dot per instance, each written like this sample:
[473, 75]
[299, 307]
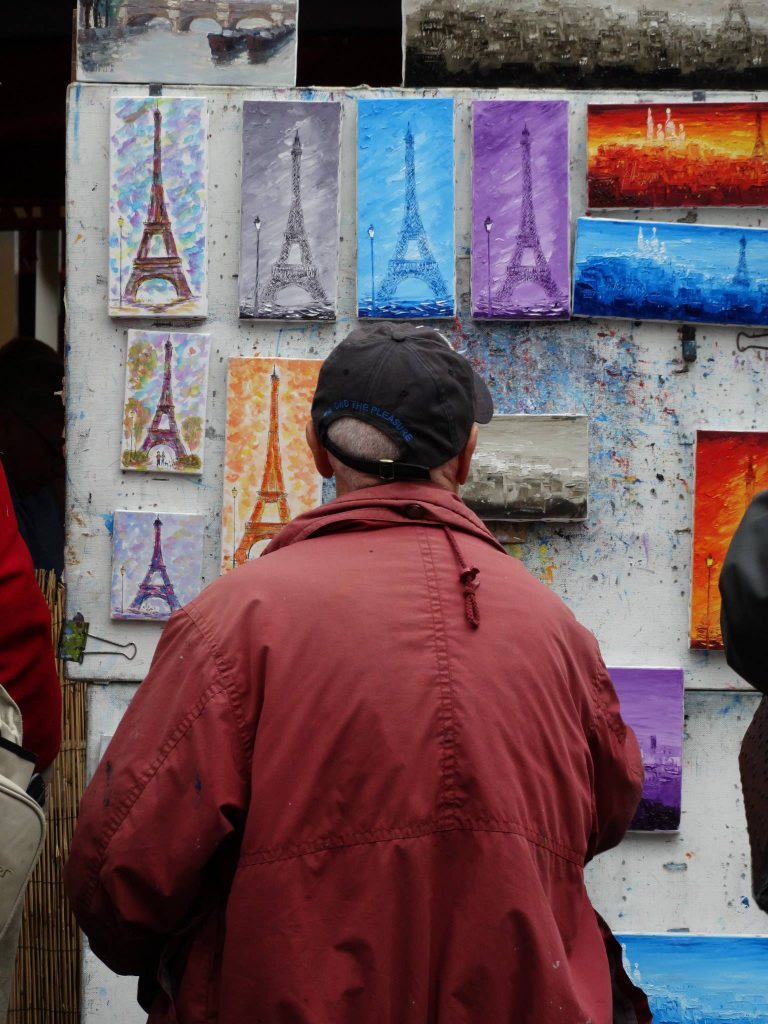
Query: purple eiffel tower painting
[520, 218]
[156, 563]
[652, 705]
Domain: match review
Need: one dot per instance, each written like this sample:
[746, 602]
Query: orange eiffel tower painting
[269, 474]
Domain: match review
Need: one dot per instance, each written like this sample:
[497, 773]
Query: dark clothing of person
[744, 624]
[358, 787]
[32, 445]
[744, 593]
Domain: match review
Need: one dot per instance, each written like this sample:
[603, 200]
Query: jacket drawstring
[469, 581]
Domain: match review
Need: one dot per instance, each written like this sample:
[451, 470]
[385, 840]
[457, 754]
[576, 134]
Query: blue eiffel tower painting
[405, 200]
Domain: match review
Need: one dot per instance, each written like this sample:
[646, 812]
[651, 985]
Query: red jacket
[27, 666]
[399, 805]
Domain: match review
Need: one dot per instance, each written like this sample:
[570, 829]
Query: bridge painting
[188, 41]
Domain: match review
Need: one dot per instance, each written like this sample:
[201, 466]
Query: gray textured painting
[586, 43]
[530, 468]
[289, 237]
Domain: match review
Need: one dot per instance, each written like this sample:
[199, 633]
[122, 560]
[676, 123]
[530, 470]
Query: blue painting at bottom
[694, 273]
[700, 979]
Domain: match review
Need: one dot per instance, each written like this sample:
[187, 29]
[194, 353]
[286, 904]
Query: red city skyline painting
[677, 154]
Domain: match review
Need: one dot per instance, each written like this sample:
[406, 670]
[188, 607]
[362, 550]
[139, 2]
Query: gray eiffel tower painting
[290, 198]
[405, 208]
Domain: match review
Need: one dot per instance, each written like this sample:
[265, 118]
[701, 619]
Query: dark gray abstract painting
[586, 44]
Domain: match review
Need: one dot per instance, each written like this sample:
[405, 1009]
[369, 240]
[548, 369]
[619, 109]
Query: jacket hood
[383, 506]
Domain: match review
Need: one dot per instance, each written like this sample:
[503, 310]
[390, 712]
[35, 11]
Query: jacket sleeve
[744, 592]
[27, 665]
[169, 795]
[618, 766]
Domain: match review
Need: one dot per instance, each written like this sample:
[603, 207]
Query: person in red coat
[27, 665]
[365, 772]
[28, 674]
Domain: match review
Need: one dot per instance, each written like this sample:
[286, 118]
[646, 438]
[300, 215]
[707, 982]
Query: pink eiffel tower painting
[156, 563]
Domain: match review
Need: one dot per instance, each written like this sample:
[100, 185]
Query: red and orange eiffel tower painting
[269, 475]
[157, 232]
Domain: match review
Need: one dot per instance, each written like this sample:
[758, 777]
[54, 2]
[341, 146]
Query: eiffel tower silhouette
[272, 490]
[539, 271]
[166, 267]
[148, 589]
[158, 435]
[401, 266]
[741, 278]
[304, 273]
[736, 21]
[758, 152]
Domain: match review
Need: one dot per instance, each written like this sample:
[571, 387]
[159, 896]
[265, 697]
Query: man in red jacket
[365, 773]
[28, 674]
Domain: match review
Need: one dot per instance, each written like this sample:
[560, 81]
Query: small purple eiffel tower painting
[156, 563]
[520, 220]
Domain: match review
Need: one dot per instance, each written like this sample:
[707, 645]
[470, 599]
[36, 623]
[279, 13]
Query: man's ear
[465, 456]
[319, 454]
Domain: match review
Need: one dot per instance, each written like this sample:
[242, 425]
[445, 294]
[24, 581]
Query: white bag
[22, 821]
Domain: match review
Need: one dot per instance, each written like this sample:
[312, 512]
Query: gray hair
[363, 441]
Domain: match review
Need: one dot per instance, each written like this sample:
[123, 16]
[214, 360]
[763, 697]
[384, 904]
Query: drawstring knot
[469, 581]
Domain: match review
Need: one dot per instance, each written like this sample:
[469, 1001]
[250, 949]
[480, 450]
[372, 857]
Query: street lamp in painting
[488, 224]
[710, 563]
[234, 522]
[371, 233]
[257, 225]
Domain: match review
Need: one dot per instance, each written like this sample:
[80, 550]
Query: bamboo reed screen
[46, 988]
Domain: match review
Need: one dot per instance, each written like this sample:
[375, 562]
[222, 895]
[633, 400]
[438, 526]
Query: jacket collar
[385, 505]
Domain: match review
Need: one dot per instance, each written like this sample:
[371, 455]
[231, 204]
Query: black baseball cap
[409, 383]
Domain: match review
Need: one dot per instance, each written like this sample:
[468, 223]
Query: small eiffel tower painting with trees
[290, 211]
[157, 211]
[166, 380]
[520, 218]
[157, 562]
[405, 200]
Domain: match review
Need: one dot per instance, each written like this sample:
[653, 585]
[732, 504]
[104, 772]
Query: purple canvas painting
[652, 704]
[520, 247]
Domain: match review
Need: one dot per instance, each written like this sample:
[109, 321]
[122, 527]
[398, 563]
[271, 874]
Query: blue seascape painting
[694, 273]
[700, 979]
[405, 249]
